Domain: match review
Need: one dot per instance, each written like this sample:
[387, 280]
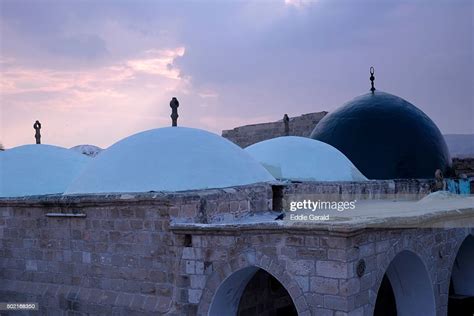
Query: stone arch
[461, 285]
[237, 272]
[411, 242]
[411, 284]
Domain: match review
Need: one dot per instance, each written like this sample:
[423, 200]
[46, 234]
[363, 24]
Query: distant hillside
[88, 150]
[460, 145]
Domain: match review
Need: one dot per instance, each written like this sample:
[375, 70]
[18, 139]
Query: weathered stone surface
[332, 269]
[297, 126]
[324, 285]
[464, 166]
[125, 257]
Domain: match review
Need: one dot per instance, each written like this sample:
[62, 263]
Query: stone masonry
[168, 254]
[464, 166]
[303, 126]
[250, 134]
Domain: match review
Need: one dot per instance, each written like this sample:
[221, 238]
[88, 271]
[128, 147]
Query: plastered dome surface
[385, 137]
[301, 158]
[88, 150]
[38, 169]
[169, 159]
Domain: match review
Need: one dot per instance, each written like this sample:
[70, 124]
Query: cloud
[158, 62]
[299, 3]
[228, 62]
[126, 90]
[83, 46]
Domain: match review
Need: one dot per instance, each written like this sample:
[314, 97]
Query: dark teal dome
[386, 137]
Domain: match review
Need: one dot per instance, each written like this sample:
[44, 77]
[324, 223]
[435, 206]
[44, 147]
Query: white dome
[169, 159]
[303, 159]
[88, 150]
[38, 169]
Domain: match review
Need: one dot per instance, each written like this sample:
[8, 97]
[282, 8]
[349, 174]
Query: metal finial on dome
[174, 111]
[286, 123]
[372, 78]
[37, 127]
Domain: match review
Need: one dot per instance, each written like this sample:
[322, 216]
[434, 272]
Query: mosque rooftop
[169, 159]
[38, 169]
[302, 158]
[385, 137]
[439, 209]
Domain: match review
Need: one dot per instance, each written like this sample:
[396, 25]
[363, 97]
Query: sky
[94, 72]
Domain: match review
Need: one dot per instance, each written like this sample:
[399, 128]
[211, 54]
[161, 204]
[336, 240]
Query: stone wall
[303, 126]
[265, 296]
[127, 254]
[400, 189]
[99, 255]
[464, 166]
[250, 134]
[319, 269]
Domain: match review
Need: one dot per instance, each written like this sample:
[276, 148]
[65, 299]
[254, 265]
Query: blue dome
[386, 137]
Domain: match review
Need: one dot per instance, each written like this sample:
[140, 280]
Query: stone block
[199, 267]
[323, 312]
[150, 303]
[147, 288]
[324, 285]
[336, 254]
[349, 287]
[303, 282]
[163, 305]
[136, 224]
[382, 246]
[336, 303]
[138, 301]
[334, 242]
[314, 299]
[190, 267]
[188, 253]
[367, 250]
[194, 296]
[108, 298]
[332, 269]
[31, 265]
[198, 281]
[361, 299]
[86, 257]
[367, 281]
[300, 267]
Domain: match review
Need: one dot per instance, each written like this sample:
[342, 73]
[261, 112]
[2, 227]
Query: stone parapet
[150, 253]
[250, 134]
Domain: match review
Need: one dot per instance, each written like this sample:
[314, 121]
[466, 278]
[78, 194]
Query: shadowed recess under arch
[409, 290]
[252, 291]
[461, 288]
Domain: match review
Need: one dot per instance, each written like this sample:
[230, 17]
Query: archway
[252, 291]
[461, 288]
[406, 288]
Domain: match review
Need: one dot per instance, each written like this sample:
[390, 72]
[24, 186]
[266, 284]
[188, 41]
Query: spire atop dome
[372, 78]
[37, 127]
[174, 104]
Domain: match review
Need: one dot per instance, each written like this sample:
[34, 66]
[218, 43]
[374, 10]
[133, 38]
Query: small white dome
[88, 150]
[169, 159]
[304, 159]
[38, 169]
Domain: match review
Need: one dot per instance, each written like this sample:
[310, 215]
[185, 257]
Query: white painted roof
[88, 150]
[304, 159]
[169, 159]
[38, 169]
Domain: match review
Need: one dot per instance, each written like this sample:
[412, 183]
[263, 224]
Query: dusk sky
[94, 72]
